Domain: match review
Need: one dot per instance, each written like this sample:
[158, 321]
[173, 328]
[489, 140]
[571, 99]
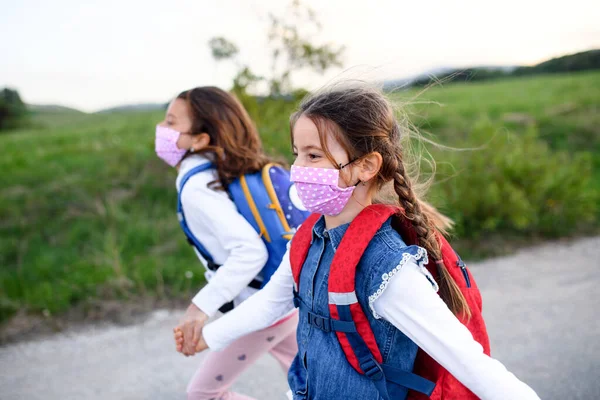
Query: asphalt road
[541, 307]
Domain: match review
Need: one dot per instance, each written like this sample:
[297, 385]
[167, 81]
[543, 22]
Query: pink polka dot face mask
[319, 191]
[166, 145]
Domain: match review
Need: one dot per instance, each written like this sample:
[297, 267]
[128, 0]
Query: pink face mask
[166, 145]
[319, 191]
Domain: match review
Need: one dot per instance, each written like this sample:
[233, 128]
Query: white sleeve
[260, 311]
[208, 211]
[411, 304]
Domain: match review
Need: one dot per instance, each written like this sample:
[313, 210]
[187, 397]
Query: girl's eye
[313, 156]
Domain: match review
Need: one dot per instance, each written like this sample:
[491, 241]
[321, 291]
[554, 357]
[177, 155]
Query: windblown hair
[362, 120]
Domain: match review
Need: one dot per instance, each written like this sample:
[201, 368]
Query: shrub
[515, 184]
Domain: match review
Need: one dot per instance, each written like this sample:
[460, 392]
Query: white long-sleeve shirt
[232, 242]
[411, 304]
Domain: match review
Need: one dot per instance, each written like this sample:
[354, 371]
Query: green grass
[564, 108]
[87, 211]
[536, 170]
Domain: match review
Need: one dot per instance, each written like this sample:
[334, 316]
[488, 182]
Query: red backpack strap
[359, 344]
[300, 245]
[343, 303]
[347, 318]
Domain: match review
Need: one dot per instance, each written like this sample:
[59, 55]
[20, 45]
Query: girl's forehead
[178, 108]
[306, 133]
[305, 129]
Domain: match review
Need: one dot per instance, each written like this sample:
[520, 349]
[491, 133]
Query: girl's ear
[200, 141]
[370, 166]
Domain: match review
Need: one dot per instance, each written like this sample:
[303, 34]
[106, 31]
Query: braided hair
[362, 120]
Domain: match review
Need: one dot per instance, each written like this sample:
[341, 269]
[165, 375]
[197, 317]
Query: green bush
[515, 184]
[13, 111]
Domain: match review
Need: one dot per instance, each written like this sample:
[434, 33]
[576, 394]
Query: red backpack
[348, 320]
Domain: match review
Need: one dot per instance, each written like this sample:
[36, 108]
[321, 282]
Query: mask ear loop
[340, 167]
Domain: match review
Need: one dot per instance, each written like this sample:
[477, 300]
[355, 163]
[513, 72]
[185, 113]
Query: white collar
[189, 162]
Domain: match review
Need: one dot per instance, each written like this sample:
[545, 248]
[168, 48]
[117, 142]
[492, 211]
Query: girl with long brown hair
[349, 145]
[208, 125]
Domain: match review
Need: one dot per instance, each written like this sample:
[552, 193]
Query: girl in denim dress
[349, 138]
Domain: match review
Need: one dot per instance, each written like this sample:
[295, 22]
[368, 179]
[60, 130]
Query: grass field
[538, 171]
[565, 109]
[87, 211]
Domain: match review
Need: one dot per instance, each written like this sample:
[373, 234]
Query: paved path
[541, 306]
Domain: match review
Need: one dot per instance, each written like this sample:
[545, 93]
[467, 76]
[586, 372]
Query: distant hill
[57, 109]
[51, 108]
[584, 61]
[396, 84]
[135, 107]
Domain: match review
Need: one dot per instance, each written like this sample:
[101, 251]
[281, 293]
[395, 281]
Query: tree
[12, 109]
[292, 50]
[222, 49]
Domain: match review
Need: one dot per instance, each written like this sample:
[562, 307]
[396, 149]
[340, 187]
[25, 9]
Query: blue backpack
[268, 201]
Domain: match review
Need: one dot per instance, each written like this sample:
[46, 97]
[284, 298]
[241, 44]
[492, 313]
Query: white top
[411, 304]
[232, 242]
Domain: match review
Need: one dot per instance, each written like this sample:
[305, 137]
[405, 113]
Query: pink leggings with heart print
[220, 369]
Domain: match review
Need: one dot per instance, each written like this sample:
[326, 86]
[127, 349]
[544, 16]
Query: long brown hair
[235, 145]
[362, 121]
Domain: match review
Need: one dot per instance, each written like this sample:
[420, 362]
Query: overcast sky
[92, 55]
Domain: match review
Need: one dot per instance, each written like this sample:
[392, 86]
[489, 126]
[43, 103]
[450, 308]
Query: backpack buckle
[319, 322]
[296, 300]
[212, 266]
[372, 369]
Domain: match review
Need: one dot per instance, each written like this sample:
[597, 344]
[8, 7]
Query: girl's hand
[190, 330]
[201, 346]
[178, 336]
